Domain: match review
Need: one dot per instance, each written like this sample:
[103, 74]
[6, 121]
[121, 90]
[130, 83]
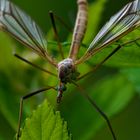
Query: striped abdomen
[79, 29]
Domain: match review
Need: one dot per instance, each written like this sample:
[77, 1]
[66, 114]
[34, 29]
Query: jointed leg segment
[21, 105]
[97, 108]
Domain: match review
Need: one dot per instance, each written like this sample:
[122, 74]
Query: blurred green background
[115, 86]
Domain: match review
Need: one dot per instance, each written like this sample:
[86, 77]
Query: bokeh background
[115, 86]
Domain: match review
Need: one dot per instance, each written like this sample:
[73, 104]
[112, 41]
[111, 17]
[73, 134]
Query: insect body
[18, 24]
[66, 71]
[79, 29]
[66, 74]
[66, 68]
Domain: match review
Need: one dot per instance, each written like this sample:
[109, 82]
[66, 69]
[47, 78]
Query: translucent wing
[23, 28]
[119, 25]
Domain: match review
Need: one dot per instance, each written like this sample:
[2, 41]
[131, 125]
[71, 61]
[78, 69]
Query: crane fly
[18, 24]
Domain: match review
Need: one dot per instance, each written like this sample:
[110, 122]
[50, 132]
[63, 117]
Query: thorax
[67, 71]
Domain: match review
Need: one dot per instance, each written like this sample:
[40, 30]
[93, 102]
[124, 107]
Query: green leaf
[45, 124]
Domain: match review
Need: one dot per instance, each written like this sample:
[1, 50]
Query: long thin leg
[98, 65]
[137, 43]
[34, 65]
[56, 34]
[104, 60]
[62, 22]
[131, 41]
[98, 109]
[21, 106]
[98, 49]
